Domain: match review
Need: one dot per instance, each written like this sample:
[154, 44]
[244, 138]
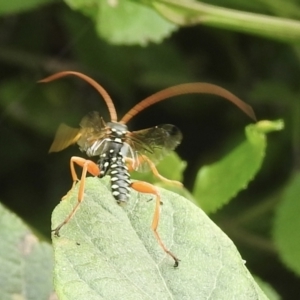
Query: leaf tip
[266, 126]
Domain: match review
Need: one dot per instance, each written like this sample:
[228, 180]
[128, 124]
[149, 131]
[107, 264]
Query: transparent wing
[93, 132]
[64, 137]
[89, 137]
[152, 144]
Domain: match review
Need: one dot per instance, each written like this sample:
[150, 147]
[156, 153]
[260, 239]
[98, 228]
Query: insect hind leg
[145, 187]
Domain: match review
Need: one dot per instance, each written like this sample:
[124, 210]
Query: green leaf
[171, 167]
[287, 225]
[125, 22]
[218, 183]
[17, 6]
[26, 263]
[109, 252]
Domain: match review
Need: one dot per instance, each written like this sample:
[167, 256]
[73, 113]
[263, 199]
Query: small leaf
[109, 252]
[218, 183]
[125, 22]
[26, 263]
[171, 167]
[287, 225]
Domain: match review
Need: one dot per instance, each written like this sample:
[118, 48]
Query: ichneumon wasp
[121, 151]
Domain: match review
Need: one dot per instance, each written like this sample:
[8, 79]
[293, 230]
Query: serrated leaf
[125, 22]
[26, 263]
[287, 225]
[109, 252]
[17, 6]
[218, 183]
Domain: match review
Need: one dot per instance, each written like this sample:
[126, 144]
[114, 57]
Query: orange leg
[145, 187]
[130, 165]
[87, 166]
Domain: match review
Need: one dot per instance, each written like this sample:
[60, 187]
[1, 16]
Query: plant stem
[189, 12]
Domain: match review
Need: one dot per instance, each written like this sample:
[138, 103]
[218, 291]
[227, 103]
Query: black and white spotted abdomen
[112, 163]
[120, 179]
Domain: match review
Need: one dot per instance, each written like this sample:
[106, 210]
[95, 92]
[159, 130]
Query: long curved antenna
[189, 88]
[92, 82]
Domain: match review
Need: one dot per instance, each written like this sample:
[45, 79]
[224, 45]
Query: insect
[121, 151]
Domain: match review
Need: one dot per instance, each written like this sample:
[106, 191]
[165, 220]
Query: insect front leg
[87, 166]
[73, 160]
[145, 187]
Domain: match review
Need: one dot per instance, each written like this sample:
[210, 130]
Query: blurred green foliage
[43, 37]
[26, 263]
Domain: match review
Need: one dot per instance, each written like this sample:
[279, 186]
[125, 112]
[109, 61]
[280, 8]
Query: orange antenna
[189, 88]
[92, 82]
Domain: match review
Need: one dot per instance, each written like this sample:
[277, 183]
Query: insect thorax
[112, 162]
